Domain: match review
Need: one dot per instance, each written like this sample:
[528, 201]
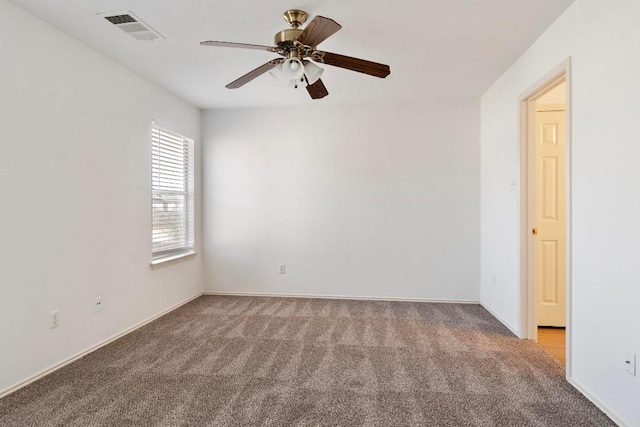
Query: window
[172, 195]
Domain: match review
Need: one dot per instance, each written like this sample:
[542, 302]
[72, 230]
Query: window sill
[164, 262]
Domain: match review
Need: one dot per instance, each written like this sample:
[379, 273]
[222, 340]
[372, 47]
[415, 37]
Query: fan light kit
[299, 54]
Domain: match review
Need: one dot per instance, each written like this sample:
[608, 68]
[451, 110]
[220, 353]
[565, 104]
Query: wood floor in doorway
[554, 342]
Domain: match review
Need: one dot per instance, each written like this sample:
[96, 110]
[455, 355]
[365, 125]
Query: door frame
[528, 291]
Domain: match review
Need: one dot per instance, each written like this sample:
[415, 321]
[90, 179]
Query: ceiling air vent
[132, 25]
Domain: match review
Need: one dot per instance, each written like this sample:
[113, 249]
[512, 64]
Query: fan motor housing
[284, 39]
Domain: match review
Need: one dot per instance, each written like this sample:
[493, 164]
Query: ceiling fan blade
[318, 30]
[251, 75]
[317, 90]
[240, 45]
[355, 64]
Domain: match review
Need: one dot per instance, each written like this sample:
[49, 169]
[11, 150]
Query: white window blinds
[172, 193]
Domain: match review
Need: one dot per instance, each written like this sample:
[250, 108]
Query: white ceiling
[435, 48]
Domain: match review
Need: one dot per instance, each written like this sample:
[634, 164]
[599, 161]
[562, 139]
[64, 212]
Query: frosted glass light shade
[293, 69]
[313, 72]
[279, 75]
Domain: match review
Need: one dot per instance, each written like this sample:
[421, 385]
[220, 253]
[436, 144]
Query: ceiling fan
[298, 50]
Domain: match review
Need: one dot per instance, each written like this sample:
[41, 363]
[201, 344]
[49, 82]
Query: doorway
[545, 213]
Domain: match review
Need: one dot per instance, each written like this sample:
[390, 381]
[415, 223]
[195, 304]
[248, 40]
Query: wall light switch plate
[54, 319]
[630, 363]
[283, 269]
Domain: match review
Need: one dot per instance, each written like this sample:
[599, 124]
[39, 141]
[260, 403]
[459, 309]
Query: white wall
[356, 201]
[603, 40]
[75, 197]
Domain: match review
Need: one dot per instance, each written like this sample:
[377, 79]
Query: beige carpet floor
[245, 361]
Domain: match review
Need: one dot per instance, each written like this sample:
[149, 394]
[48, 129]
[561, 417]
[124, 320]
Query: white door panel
[550, 216]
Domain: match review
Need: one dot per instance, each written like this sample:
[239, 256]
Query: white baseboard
[501, 320]
[72, 359]
[604, 408]
[346, 297]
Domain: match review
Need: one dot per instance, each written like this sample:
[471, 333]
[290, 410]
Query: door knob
[534, 231]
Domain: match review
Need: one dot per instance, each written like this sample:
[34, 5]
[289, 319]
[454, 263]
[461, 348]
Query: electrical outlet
[97, 305]
[283, 269]
[630, 363]
[54, 319]
[495, 281]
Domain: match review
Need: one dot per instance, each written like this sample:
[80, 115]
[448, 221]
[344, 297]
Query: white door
[550, 216]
